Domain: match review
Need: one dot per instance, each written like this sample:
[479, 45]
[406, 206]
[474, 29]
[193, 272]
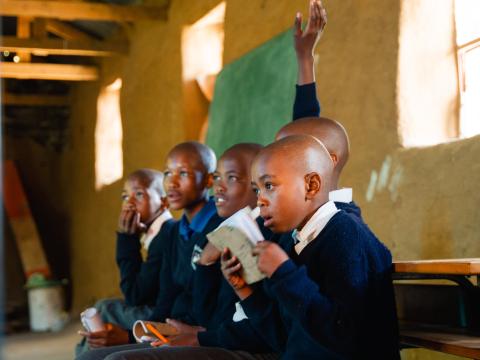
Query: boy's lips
[267, 220]
[173, 196]
[219, 200]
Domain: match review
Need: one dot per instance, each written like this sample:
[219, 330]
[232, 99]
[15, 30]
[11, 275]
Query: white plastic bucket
[46, 308]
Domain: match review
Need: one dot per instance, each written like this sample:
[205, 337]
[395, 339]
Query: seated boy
[331, 296]
[144, 212]
[213, 298]
[187, 180]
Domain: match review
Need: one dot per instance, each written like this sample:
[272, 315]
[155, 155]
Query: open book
[142, 333]
[240, 233]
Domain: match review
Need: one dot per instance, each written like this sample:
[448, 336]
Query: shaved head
[149, 178]
[246, 151]
[303, 154]
[202, 155]
[330, 132]
[292, 178]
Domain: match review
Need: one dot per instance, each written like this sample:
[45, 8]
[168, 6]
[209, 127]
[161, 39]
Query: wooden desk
[443, 340]
[466, 267]
[462, 342]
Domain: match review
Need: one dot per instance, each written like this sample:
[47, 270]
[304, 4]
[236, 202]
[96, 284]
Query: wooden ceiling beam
[65, 31]
[9, 99]
[43, 47]
[24, 32]
[48, 71]
[80, 10]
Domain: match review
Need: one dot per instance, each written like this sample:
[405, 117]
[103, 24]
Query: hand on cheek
[270, 257]
[129, 221]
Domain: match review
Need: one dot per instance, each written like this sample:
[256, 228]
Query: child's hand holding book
[270, 257]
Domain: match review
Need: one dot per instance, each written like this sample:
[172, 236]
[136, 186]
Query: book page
[241, 247]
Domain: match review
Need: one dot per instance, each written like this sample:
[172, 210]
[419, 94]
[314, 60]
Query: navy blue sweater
[176, 275]
[138, 278]
[333, 301]
[306, 102]
[214, 301]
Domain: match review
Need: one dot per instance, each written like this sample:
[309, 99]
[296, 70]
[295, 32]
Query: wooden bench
[460, 332]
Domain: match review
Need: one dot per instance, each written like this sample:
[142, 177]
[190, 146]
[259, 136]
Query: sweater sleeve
[264, 315]
[206, 288]
[306, 102]
[330, 320]
[138, 278]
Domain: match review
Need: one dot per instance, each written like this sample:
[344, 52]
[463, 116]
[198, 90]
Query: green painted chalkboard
[254, 95]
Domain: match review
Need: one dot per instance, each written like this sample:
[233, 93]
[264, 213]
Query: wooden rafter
[61, 47]
[34, 100]
[48, 71]
[65, 31]
[23, 32]
[79, 10]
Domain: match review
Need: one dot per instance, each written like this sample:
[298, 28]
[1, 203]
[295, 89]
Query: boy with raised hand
[331, 296]
[306, 108]
[144, 212]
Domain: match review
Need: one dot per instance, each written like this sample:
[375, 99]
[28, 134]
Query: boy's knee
[103, 305]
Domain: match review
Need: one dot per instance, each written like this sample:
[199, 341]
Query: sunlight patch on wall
[468, 43]
[202, 60]
[108, 136]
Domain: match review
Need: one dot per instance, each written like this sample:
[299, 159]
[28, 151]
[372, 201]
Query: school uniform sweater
[306, 103]
[214, 301]
[334, 300]
[176, 275]
[138, 278]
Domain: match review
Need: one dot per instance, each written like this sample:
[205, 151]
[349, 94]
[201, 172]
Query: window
[108, 136]
[202, 55]
[468, 51]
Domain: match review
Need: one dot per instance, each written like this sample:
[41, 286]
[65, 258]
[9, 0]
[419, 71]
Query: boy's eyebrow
[266, 176]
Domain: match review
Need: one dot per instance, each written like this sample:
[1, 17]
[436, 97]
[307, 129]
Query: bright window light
[202, 60]
[468, 42]
[108, 136]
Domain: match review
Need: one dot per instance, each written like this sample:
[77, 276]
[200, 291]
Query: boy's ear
[209, 180]
[334, 158]
[313, 185]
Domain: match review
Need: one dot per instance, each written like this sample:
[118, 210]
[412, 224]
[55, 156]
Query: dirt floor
[42, 346]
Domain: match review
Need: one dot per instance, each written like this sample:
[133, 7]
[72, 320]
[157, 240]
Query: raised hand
[305, 40]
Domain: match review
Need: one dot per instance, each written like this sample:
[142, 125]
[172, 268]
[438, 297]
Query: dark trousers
[146, 352]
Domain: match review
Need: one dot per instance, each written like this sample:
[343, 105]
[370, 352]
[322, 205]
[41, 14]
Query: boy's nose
[261, 202]
[172, 183]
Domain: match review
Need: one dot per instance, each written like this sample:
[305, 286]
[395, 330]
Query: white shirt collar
[314, 226]
[154, 228]
[341, 195]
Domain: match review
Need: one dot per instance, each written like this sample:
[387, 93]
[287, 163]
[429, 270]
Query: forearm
[306, 73]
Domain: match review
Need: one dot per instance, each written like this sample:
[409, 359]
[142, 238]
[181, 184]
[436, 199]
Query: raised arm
[306, 102]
